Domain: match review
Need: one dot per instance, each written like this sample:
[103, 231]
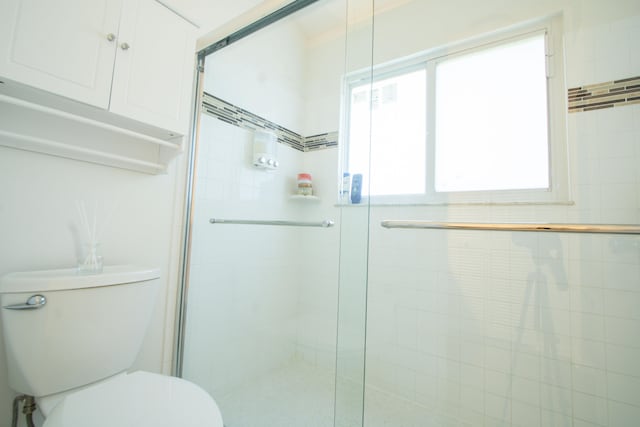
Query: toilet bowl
[140, 399]
[70, 340]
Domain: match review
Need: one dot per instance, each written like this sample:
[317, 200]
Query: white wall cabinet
[103, 81]
[153, 71]
[134, 58]
[61, 46]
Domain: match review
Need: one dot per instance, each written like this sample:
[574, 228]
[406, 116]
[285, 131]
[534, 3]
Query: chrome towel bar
[557, 228]
[324, 224]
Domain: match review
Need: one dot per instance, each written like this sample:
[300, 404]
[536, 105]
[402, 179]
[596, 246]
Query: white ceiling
[320, 17]
[316, 19]
[211, 14]
[329, 16]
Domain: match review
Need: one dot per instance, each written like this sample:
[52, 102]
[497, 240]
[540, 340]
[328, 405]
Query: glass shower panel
[354, 219]
[242, 312]
[468, 327]
[262, 302]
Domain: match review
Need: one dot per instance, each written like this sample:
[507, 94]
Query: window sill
[438, 204]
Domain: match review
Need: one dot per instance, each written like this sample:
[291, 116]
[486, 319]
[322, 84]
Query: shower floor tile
[296, 396]
[302, 396]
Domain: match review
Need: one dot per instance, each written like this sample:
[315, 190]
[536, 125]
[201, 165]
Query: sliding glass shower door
[468, 325]
[276, 277]
[476, 280]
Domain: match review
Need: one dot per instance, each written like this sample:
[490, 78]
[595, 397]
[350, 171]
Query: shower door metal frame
[185, 254]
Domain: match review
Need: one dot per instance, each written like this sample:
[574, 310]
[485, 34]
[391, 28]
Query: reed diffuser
[91, 258]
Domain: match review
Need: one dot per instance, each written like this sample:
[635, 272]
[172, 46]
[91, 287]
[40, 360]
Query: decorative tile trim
[321, 141]
[604, 95]
[229, 113]
[237, 116]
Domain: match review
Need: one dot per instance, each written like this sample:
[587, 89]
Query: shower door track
[535, 227]
[261, 23]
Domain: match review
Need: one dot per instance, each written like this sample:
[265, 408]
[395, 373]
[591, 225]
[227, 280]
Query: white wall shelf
[299, 197]
[34, 127]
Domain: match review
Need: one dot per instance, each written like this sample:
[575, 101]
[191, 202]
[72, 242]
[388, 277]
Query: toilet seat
[141, 399]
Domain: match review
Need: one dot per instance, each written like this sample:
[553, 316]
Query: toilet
[70, 340]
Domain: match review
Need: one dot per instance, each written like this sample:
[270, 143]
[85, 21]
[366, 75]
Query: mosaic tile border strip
[604, 95]
[321, 141]
[229, 113]
[237, 116]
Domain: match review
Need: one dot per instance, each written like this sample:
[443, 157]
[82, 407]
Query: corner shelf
[34, 127]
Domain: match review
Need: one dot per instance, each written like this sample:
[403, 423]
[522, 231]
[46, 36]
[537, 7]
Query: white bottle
[346, 185]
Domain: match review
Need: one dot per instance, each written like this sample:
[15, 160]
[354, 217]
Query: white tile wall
[260, 298]
[317, 308]
[556, 351]
[243, 288]
[263, 74]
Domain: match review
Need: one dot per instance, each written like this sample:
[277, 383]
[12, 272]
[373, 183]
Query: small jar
[305, 186]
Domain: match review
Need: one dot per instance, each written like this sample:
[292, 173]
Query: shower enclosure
[490, 275]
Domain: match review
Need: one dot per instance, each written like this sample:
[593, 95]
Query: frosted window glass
[491, 119]
[396, 125]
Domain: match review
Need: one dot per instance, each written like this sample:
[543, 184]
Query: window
[398, 131]
[481, 123]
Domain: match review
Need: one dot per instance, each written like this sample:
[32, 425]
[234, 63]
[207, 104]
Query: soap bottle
[356, 188]
[346, 184]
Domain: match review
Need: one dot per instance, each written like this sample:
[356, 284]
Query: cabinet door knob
[124, 46]
[111, 37]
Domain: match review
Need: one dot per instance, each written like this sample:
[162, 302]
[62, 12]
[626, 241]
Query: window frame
[558, 191]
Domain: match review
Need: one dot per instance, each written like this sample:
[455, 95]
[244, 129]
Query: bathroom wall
[263, 74]
[40, 229]
[241, 316]
[318, 292]
[324, 70]
[319, 261]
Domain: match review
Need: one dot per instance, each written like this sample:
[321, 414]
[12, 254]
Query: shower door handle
[33, 303]
[324, 223]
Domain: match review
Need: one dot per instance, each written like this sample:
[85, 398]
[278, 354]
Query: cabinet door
[153, 76]
[61, 46]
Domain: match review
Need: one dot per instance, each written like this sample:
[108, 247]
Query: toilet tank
[91, 326]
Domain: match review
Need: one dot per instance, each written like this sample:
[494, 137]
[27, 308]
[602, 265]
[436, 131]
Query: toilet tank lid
[70, 278]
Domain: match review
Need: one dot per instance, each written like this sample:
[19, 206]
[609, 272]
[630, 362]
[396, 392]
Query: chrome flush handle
[33, 303]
